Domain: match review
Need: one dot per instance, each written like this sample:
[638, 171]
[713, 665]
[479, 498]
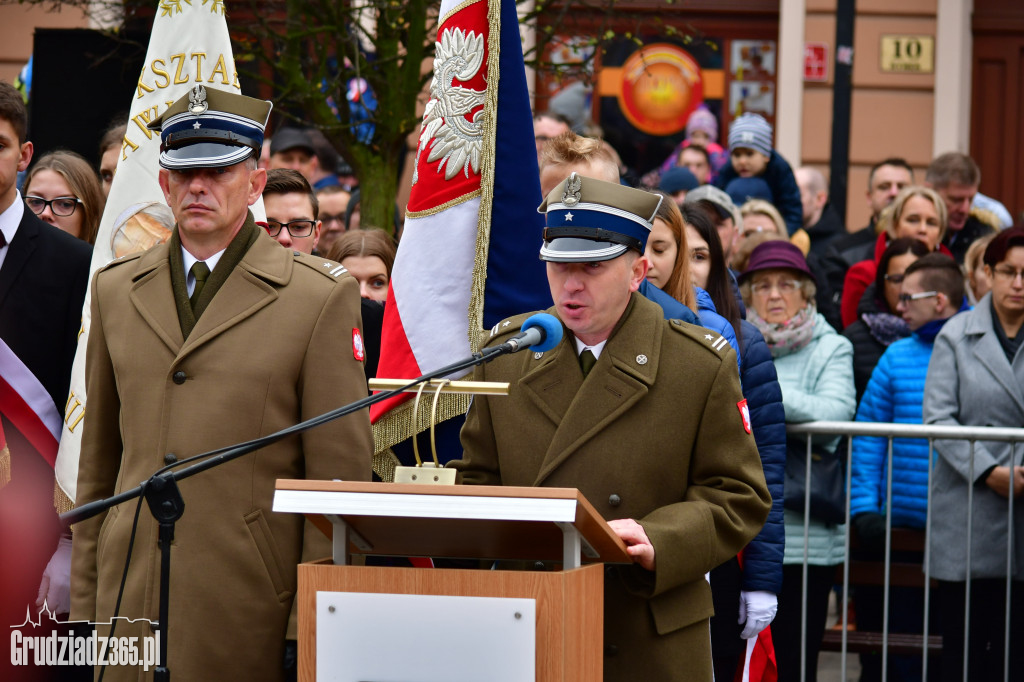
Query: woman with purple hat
[815, 370]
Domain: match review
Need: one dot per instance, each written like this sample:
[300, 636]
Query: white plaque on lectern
[363, 637]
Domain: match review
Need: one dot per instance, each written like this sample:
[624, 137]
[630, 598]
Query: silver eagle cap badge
[572, 194]
[197, 100]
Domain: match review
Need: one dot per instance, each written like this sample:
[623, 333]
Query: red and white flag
[469, 251]
[29, 407]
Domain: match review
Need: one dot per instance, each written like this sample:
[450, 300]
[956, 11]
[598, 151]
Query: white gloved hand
[757, 611]
[55, 587]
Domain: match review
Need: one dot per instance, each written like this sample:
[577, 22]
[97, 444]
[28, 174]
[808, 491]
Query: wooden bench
[901, 574]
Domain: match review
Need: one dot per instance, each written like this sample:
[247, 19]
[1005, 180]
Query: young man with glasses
[333, 202]
[292, 210]
[932, 292]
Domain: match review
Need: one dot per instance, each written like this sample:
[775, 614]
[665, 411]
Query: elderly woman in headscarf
[815, 371]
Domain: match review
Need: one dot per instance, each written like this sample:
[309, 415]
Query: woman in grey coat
[976, 378]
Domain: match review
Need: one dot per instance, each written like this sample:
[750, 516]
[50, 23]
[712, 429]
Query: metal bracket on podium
[432, 473]
[573, 546]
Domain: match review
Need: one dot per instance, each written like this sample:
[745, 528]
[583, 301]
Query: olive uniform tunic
[263, 355]
[654, 433]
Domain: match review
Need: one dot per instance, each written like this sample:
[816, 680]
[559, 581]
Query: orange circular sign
[661, 86]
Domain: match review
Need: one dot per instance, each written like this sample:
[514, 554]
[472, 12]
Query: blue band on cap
[598, 220]
[234, 129]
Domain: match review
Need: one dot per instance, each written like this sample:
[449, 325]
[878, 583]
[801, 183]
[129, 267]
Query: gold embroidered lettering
[179, 62]
[77, 411]
[142, 86]
[199, 57]
[161, 72]
[144, 117]
[220, 67]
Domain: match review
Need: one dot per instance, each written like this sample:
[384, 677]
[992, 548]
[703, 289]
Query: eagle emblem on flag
[452, 137]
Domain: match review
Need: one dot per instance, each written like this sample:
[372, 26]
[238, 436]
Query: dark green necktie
[200, 271]
[587, 361]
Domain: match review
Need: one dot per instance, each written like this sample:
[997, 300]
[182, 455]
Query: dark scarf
[233, 255]
[928, 331]
[886, 328]
[1009, 345]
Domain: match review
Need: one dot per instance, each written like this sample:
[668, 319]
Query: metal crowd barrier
[891, 431]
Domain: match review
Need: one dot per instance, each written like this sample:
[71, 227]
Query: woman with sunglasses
[976, 378]
[64, 190]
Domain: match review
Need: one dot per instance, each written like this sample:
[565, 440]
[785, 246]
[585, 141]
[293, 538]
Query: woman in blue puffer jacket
[698, 265]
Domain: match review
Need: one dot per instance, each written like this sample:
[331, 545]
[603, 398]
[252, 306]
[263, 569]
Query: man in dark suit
[644, 415]
[43, 277]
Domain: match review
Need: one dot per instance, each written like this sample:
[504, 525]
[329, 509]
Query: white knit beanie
[751, 131]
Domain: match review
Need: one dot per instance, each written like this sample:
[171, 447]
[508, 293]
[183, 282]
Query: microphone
[541, 332]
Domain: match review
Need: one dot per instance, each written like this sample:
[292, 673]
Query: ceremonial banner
[189, 44]
[469, 251]
[29, 407]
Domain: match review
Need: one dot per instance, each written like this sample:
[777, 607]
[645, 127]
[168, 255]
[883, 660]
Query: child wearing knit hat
[701, 131]
[751, 156]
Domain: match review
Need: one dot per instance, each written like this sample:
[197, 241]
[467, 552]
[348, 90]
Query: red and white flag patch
[744, 414]
[358, 350]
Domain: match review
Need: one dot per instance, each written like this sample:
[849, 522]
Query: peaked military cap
[591, 220]
[210, 128]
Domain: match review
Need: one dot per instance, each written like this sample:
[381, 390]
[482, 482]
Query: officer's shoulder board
[508, 326]
[122, 260]
[706, 338]
[327, 268]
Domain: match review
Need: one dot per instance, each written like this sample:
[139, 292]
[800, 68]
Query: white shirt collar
[9, 221]
[596, 349]
[188, 260]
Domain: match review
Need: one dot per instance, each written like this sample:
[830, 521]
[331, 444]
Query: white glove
[757, 611]
[55, 587]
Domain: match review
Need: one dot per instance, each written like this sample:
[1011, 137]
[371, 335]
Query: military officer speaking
[217, 337]
[643, 415]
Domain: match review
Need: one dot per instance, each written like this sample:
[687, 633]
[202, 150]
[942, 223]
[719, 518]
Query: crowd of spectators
[890, 323]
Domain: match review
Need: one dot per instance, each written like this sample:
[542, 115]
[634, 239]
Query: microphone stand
[167, 505]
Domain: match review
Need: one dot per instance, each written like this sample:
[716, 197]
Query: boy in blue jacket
[751, 155]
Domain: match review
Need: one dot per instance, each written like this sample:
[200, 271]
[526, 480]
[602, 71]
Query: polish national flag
[469, 251]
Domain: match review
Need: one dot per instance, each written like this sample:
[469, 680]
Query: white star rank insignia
[568, 217]
[506, 323]
[708, 337]
[197, 125]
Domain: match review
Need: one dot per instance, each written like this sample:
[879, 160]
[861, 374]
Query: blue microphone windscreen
[552, 330]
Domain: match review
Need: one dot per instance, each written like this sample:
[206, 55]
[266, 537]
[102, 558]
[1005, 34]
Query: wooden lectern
[474, 522]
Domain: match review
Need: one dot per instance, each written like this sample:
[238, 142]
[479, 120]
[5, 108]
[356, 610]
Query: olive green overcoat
[273, 347]
[654, 433]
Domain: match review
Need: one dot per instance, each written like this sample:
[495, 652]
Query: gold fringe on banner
[384, 464]
[61, 502]
[5, 466]
[397, 425]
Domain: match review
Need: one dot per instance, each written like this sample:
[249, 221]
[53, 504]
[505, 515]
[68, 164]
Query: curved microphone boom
[541, 332]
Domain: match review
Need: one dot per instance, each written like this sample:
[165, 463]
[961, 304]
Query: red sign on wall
[816, 62]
